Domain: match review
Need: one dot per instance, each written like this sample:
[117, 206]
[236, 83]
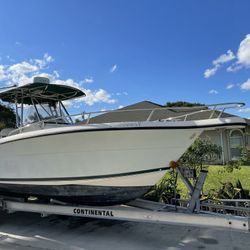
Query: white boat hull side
[92, 154]
[96, 164]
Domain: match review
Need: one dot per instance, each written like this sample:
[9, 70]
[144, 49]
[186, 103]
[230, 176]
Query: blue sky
[123, 51]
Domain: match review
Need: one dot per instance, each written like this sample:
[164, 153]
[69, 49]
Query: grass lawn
[215, 178]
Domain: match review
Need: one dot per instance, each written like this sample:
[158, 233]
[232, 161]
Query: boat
[50, 156]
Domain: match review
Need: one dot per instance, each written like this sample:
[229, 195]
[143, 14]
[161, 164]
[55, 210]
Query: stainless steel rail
[214, 109]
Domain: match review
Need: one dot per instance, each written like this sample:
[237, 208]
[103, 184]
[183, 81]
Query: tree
[183, 104]
[201, 152]
[7, 117]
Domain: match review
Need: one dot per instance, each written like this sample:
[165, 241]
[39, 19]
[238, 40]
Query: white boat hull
[117, 159]
[92, 154]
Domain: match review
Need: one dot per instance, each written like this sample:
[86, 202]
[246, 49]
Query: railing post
[150, 115]
[89, 114]
[213, 111]
[222, 111]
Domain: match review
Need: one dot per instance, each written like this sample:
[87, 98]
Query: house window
[236, 142]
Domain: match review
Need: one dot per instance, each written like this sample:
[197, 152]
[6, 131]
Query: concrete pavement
[27, 231]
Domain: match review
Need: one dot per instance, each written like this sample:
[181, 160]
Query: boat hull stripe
[86, 177]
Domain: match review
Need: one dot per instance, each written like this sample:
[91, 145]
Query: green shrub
[231, 165]
[245, 155]
[165, 190]
[228, 190]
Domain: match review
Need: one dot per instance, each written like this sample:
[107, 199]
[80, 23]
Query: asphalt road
[26, 231]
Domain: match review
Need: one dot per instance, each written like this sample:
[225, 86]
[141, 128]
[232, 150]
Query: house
[230, 140]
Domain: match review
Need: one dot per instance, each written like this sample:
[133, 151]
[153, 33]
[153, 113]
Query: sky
[125, 51]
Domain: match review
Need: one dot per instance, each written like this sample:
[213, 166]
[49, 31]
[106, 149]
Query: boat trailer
[138, 210]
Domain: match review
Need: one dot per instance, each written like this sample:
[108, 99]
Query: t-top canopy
[40, 92]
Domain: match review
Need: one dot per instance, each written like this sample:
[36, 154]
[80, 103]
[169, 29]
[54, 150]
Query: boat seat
[5, 132]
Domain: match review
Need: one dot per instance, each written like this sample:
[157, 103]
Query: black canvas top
[41, 92]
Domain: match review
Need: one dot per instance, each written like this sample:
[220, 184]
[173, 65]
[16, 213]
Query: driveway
[27, 231]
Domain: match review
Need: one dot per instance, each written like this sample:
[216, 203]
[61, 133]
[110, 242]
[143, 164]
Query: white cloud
[243, 56]
[230, 86]
[44, 62]
[23, 67]
[120, 106]
[234, 67]
[68, 103]
[213, 91]
[244, 110]
[23, 73]
[20, 80]
[210, 72]
[92, 96]
[222, 59]
[88, 80]
[244, 52]
[2, 73]
[104, 96]
[69, 82]
[245, 85]
[242, 59]
[113, 69]
[97, 96]
[121, 93]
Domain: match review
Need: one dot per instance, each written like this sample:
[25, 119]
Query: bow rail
[221, 107]
[212, 110]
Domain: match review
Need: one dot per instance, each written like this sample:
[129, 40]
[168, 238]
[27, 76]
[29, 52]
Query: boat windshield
[51, 112]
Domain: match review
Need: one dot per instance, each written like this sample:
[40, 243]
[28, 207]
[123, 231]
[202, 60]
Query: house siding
[247, 135]
[221, 137]
[217, 137]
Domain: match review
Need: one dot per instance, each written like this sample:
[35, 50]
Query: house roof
[141, 111]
